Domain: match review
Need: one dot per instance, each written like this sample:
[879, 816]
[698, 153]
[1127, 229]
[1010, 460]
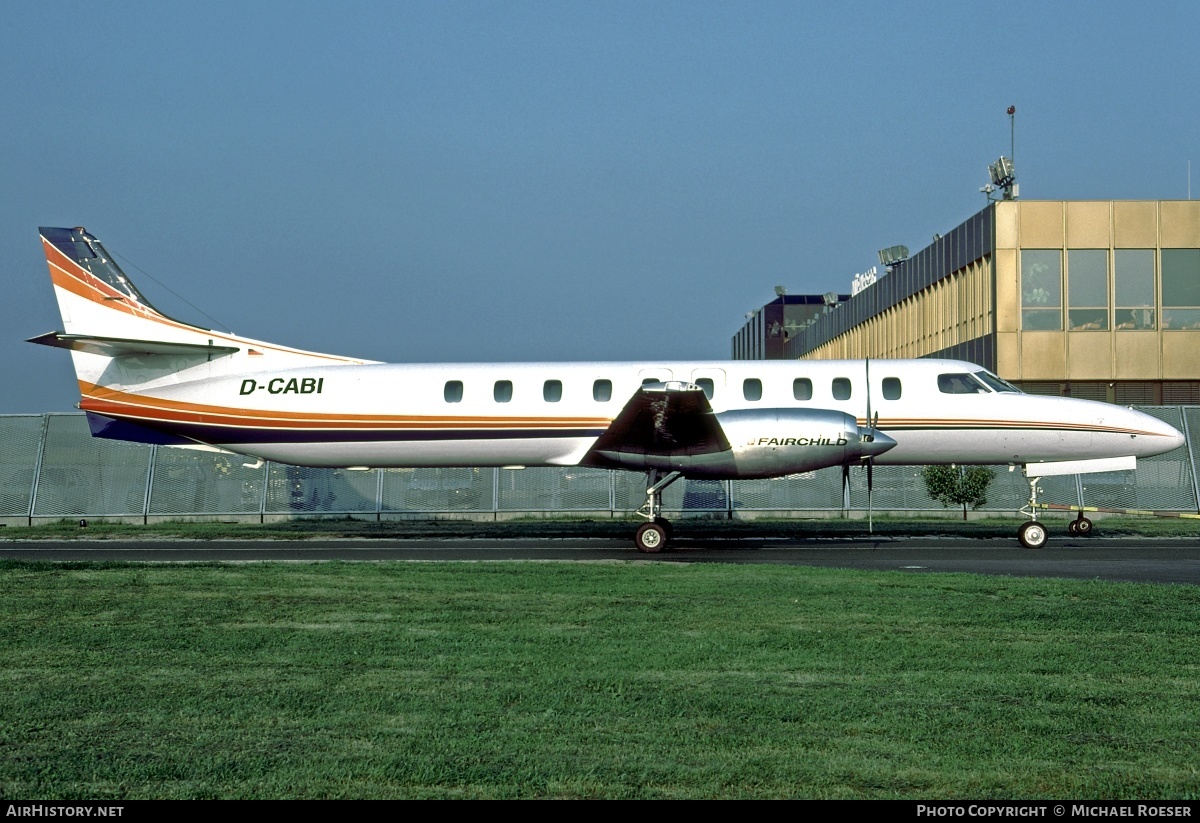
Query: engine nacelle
[769, 443]
[774, 442]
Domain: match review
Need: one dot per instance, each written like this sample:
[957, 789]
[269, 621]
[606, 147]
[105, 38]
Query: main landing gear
[653, 536]
[1080, 526]
[1033, 535]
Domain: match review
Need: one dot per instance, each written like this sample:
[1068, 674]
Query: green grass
[590, 680]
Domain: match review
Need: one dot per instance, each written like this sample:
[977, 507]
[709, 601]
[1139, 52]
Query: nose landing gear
[1032, 534]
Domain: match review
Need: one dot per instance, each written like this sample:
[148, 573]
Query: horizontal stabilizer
[116, 346]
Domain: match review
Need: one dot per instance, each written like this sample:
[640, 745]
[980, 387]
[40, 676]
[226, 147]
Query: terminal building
[769, 330]
[1091, 299]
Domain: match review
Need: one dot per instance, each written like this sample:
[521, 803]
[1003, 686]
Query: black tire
[1073, 527]
[650, 538]
[1032, 535]
[1083, 526]
[666, 524]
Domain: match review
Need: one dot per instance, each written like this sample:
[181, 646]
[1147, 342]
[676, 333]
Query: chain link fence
[51, 468]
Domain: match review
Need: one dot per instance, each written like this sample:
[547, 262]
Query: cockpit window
[959, 384]
[995, 383]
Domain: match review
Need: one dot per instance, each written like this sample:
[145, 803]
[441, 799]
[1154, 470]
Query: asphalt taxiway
[1135, 559]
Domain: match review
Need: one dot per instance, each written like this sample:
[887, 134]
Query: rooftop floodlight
[892, 255]
[780, 291]
[830, 298]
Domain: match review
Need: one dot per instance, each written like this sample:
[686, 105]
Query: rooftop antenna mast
[1003, 172]
[1012, 134]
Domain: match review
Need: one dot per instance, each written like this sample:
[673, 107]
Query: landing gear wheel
[1083, 526]
[651, 538]
[1032, 535]
[666, 524]
[1073, 527]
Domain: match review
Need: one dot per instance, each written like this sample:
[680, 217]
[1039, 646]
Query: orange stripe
[926, 423]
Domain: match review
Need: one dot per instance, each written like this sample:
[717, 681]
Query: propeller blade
[870, 501]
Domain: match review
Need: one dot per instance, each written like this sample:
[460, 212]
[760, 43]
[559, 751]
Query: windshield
[997, 383]
[961, 383]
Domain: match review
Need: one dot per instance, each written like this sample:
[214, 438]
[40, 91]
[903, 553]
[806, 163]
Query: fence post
[1187, 441]
[379, 495]
[262, 498]
[149, 484]
[496, 493]
[37, 468]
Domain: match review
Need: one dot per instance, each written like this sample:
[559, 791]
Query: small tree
[957, 486]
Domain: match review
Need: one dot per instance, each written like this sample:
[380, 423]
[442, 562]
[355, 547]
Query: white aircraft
[148, 378]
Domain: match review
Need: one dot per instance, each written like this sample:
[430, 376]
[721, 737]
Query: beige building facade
[1095, 299]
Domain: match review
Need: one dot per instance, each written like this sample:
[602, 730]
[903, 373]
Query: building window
[1041, 289]
[602, 391]
[706, 385]
[841, 388]
[1087, 289]
[502, 391]
[453, 391]
[802, 388]
[1181, 288]
[752, 388]
[1133, 271]
[891, 388]
[552, 391]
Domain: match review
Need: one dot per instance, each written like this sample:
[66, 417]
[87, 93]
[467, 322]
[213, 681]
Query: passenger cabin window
[959, 384]
[802, 388]
[602, 391]
[752, 388]
[552, 391]
[891, 388]
[502, 391]
[706, 385]
[841, 388]
[453, 391]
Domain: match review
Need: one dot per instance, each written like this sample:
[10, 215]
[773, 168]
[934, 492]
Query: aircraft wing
[661, 419]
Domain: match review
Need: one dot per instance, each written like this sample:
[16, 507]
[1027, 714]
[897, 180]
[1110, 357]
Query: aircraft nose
[1158, 436]
[876, 446]
[1172, 436]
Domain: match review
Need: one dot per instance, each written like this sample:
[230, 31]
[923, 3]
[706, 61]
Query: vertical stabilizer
[119, 341]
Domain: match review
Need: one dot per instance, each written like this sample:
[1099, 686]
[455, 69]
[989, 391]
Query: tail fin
[120, 342]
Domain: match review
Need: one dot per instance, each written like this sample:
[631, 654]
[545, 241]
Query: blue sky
[412, 181]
